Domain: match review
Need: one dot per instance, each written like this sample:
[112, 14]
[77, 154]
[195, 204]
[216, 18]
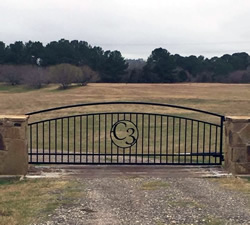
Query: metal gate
[126, 137]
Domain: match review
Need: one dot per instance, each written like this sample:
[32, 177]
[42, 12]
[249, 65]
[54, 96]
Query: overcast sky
[134, 27]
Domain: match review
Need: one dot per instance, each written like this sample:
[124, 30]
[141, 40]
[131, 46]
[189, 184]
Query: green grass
[160, 223]
[153, 185]
[214, 221]
[235, 183]
[15, 88]
[29, 201]
[8, 181]
[185, 203]
[246, 178]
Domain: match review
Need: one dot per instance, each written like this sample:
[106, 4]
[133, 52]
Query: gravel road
[153, 200]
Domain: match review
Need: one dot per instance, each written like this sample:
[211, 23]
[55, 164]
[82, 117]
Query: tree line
[67, 62]
[163, 67]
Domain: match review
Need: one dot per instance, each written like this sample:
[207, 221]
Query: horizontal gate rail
[125, 137]
[215, 154]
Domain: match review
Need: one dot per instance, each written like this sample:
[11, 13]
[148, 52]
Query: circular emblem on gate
[124, 134]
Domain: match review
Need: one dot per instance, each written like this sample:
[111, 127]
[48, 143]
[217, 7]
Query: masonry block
[13, 145]
[237, 141]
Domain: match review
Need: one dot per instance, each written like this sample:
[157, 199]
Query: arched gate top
[123, 103]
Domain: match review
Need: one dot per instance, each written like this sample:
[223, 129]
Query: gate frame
[222, 119]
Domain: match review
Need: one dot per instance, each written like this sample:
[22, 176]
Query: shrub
[12, 74]
[35, 76]
[87, 75]
[64, 74]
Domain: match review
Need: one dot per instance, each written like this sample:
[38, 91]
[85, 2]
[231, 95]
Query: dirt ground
[149, 195]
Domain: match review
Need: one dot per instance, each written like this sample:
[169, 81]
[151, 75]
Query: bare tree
[1, 74]
[87, 75]
[35, 76]
[12, 74]
[64, 74]
[240, 76]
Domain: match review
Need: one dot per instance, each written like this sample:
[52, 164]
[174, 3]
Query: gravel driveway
[145, 199]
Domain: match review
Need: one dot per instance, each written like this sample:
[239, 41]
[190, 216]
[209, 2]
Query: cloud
[135, 27]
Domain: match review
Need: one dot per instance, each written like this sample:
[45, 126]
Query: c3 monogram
[124, 134]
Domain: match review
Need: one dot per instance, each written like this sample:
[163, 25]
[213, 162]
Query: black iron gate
[126, 137]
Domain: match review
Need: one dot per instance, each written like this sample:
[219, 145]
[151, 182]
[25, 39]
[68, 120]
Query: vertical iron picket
[80, 135]
[167, 156]
[173, 140]
[179, 147]
[87, 138]
[148, 137]
[31, 152]
[62, 140]
[142, 139]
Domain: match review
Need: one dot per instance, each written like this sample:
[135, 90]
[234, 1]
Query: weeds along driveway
[127, 197]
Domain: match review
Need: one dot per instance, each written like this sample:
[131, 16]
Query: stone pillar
[13, 145]
[237, 144]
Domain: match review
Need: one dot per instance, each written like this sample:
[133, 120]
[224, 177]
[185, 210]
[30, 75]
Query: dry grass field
[226, 99]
